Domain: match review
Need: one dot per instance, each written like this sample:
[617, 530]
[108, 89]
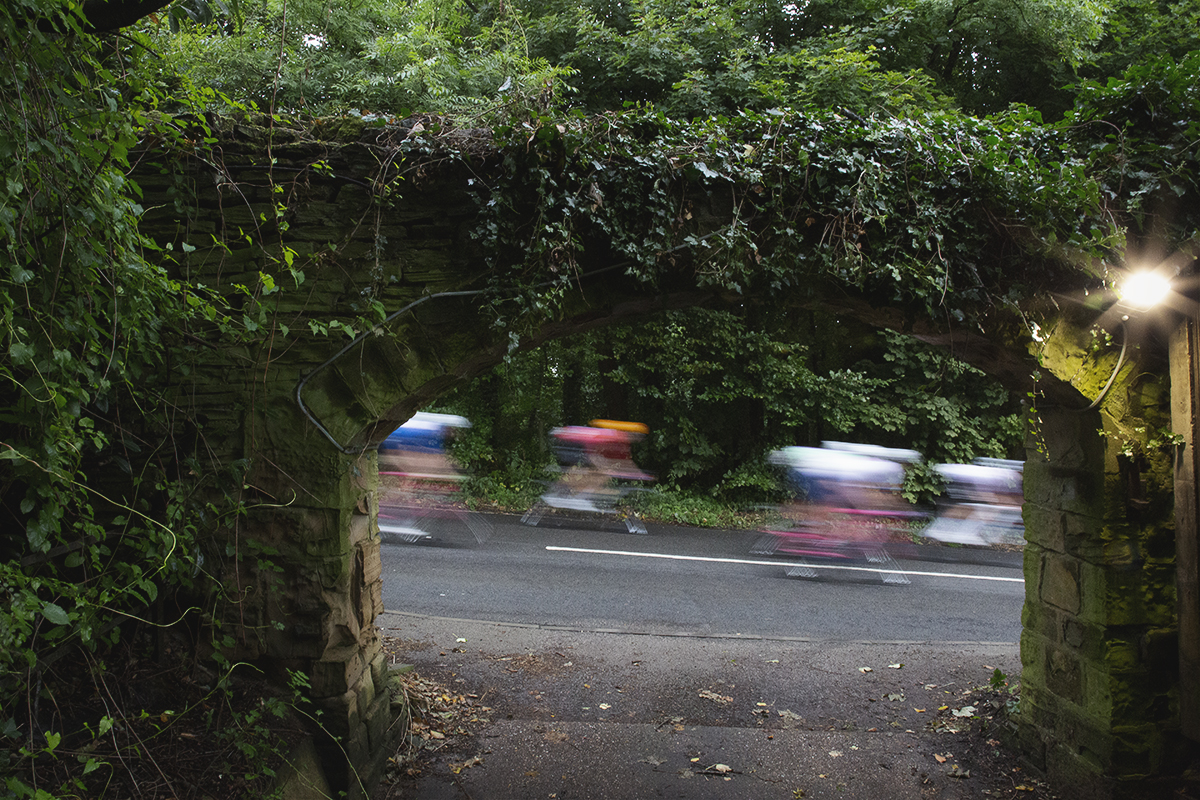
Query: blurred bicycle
[983, 505]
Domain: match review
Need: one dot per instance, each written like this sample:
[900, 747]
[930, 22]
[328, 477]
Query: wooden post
[1185, 371]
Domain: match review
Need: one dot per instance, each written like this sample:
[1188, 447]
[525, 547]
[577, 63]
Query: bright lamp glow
[1144, 289]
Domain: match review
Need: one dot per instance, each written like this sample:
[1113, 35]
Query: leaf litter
[438, 719]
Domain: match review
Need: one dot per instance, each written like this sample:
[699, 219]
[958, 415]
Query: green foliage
[713, 390]
[103, 502]
[81, 328]
[386, 58]
[903, 212]
[1142, 32]
[719, 391]
[514, 490]
[244, 727]
[1009, 693]
[933, 403]
[686, 59]
[1140, 132]
[1139, 443]
[681, 507]
[848, 80]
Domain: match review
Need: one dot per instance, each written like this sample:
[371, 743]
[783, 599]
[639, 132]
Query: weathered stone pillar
[1098, 701]
[300, 582]
[304, 587]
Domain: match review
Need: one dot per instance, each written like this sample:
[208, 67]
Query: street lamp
[1144, 290]
[1138, 291]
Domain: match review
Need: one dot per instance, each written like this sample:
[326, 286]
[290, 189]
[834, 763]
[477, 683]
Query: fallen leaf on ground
[941, 759]
[716, 698]
[791, 719]
[470, 762]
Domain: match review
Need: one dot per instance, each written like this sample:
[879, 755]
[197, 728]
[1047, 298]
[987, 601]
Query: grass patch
[674, 506]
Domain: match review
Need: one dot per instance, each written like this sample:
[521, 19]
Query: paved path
[584, 714]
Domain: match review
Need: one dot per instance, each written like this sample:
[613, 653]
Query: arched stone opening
[1102, 688]
[1100, 670]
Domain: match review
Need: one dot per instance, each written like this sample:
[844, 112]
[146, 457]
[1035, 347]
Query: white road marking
[782, 564]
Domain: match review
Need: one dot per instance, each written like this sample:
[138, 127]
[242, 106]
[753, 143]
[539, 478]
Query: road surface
[590, 574]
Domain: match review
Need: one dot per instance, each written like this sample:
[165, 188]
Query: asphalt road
[590, 574]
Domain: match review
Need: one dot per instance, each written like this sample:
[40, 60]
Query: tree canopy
[687, 58]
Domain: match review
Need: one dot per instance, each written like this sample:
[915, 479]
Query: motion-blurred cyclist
[594, 457]
[597, 467]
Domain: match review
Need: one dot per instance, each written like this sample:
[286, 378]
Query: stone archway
[1099, 644]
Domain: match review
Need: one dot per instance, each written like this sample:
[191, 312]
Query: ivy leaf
[56, 615]
[9, 729]
[20, 352]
